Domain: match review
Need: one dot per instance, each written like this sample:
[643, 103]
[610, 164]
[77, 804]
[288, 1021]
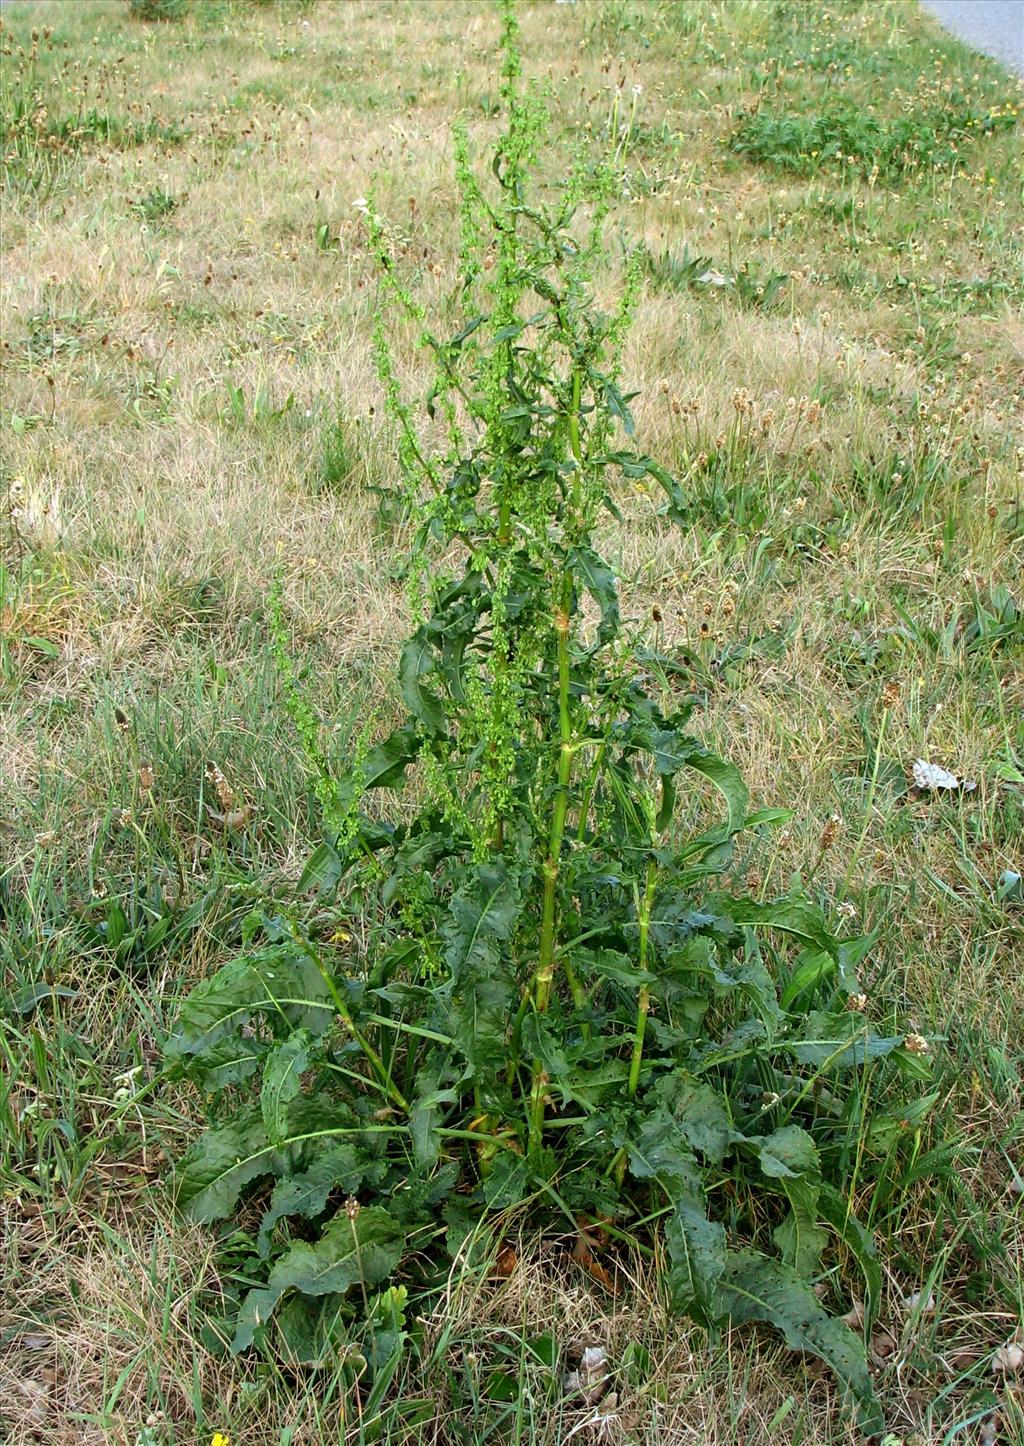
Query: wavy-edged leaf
[609, 964]
[756, 1288]
[386, 763]
[424, 1115]
[340, 1167]
[216, 1169]
[789, 1157]
[282, 1080]
[541, 1043]
[220, 1164]
[357, 1247]
[674, 750]
[689, 1109]
[602, 584]
[417, 662]
[323, 870]
[231, 1060]
[281, 982]
[481, 917]
[838, 1041]
[728, 780]
[697, 1257]
[799, 917]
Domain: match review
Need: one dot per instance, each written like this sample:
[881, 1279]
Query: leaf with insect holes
[282, 1080]
[756, 1288]
[357, 1248]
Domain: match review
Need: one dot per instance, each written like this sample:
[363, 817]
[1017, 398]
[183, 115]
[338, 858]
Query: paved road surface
[994, 26]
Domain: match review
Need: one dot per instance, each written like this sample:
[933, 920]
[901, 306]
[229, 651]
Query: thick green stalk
[545, 973]
[644, 1000]
[617, 1168]
[543, 978]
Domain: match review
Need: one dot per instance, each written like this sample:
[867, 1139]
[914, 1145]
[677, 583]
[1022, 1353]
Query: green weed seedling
[522, 986]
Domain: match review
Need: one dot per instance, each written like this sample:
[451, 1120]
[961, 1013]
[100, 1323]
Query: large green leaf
[755, 1288]
[360, 1246]
[789, 1157]
[213, 1173]
[281, 982]
[799, 917]
[691, 1110]
[728, 780]
[323, 870]
[674, 750]
[282, 1080]
[860, 1242]
[339, 1167]
[691, 1116]
[482, 915]
[424, 1115]
[697, 1256]
[416, 663]
[220, 1164]
[599, 580]
[839, 1041]
[385, 764]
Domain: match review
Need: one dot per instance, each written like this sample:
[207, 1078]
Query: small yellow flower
[219, 1439]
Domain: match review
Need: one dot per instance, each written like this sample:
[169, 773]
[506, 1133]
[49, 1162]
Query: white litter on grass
[931, 778]
[713, 278]
[1008, 1359]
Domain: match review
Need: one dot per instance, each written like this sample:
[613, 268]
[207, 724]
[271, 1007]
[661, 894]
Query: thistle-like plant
[553, 1004]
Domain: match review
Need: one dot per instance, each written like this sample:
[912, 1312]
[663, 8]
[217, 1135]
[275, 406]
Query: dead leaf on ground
[505, 1264]
[584, 1256]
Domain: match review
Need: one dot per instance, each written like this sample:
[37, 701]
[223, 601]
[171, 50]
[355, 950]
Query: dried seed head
[891, 693]
[857, 1003]
[220, 786]
[147, 778]
[917, 1044]
[352, 1207]
[830, 832]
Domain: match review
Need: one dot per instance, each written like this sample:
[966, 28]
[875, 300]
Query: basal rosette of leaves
[556, 1005]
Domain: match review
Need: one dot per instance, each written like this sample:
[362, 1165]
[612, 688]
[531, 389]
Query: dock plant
[514, 983]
